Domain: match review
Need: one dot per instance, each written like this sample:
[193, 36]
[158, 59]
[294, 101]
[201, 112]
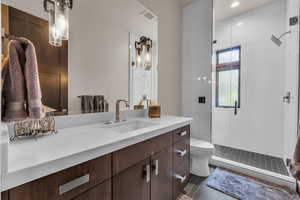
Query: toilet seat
[200, 145]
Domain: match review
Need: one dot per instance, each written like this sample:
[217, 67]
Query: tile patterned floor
[261, 161]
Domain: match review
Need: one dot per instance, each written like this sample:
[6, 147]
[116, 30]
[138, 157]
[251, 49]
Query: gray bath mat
[244, 188]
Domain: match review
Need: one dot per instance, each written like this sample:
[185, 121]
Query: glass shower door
[251, 76]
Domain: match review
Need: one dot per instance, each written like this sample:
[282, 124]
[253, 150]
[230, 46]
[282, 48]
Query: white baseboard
[254, 172]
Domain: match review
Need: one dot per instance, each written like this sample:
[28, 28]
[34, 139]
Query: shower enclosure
[255, 83]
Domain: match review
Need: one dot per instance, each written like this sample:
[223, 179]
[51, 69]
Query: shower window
[228, 77]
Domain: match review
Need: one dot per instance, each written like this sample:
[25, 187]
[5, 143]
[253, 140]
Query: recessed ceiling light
[235, 4]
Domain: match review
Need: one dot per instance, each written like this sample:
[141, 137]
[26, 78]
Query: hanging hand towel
[21, 87]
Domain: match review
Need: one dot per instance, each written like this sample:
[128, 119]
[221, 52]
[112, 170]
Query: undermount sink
[124, 127]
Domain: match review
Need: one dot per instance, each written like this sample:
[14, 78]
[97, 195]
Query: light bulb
[62, 23]
[55, 32]
[139, 60]
[148, 57]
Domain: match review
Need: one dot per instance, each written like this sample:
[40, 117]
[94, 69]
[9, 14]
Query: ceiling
[223, 9]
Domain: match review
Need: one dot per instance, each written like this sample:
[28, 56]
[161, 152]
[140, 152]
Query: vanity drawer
[66, 184]
[181, 154]
[180, 179]
[181, 163]
[181, 134]
[102, 191]
[132, 155]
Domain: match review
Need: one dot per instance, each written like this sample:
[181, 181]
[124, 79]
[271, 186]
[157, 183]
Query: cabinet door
[102, 192]
[161, 175]
[133, 183]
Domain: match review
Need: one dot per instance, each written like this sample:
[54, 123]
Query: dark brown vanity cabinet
[156, 169]
[144, 170]
[160, 168]
[149, 179]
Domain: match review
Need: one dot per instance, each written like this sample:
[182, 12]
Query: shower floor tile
[260, 161]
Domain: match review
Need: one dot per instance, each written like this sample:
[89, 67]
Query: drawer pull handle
[73, 184]
[181, 178]
[182, 134]
[147, 173]
[155, 167]
[181, 153]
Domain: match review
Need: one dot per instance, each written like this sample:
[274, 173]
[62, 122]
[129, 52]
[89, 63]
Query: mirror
[98, 64]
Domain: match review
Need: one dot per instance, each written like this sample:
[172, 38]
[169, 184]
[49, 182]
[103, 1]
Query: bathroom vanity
[139, 159]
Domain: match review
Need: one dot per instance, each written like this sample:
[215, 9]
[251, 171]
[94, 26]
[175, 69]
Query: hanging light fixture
[144, 52]
[54, 34]
[58, 20]
[139, 51]
[148, 54]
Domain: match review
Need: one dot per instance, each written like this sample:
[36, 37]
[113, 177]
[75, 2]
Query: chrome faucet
[118, 108]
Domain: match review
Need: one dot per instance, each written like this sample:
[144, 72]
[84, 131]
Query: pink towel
[21, 85]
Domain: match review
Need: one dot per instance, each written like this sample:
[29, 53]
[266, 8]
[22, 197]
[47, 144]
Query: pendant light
[54, 33]
[144, 52]
[148, 54]
[139, 51]
[58, 20]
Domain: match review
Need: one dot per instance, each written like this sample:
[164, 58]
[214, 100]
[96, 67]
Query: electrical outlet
[202, 100]
[293, 21]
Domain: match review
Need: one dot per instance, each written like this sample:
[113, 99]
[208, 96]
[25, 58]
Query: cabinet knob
[181, 153]
[180, 178]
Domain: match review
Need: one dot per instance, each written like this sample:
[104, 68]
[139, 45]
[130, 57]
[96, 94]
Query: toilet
[201, 153]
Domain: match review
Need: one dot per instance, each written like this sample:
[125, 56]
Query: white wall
[258, 127]
[169, 13]
[197, 44]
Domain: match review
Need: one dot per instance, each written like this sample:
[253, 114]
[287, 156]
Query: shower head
[277, 40]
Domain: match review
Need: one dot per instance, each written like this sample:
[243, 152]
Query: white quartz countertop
[31, 159]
